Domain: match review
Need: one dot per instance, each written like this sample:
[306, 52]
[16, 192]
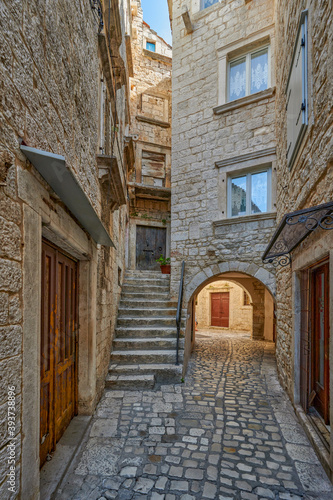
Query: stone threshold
[54, 471]
[316, 440]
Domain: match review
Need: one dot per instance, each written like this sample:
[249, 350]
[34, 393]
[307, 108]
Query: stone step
[160, 280]
[164, 372]
[131, 381]
[145, 356]
[149, 322]
[156, 343]
[145, 295]
[139, 312]
[141, 302]
[145, 274]
[140, 288]
[145, 332]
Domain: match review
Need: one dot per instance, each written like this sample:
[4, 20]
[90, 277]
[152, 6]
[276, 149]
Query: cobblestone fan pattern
[229, 432]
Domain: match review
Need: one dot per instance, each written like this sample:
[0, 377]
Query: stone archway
[262, 287]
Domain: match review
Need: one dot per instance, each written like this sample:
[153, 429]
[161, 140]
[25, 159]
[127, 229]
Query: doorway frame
[132, 237]
[60, 229]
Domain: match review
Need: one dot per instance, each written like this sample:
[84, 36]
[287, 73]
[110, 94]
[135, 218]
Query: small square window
[151, 46]
[207, 3]
[249, 193]
[249, 74]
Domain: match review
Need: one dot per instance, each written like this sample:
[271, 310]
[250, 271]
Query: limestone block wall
[310, 181]
[213, 139]
[240, 315]
[49, 75]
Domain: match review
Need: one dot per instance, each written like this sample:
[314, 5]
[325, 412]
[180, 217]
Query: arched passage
[257, 282]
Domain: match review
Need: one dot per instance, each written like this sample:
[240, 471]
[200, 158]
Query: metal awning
[293, 229]
[54, 170]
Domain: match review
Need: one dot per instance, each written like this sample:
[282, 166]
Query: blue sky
[156, 14]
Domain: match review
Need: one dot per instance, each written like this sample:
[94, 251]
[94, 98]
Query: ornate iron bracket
[310, 222]
[279, 260]
[96, 7]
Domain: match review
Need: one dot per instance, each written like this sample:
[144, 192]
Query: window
[249, 193]
[151, 46]
[153, 169]
[246, 299]
[207, 3]
[248, 74]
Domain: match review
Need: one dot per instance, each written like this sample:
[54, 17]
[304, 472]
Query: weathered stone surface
[10, 240]
[10, 276]
[10, 341]
[4, 301]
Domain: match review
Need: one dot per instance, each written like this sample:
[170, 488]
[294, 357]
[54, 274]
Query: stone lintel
[242, 158]
[244, 101]
[152, 121]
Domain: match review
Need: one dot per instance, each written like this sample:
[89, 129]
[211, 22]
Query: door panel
[220, 309]
[150, 245]
[320, 340]
[58, 353]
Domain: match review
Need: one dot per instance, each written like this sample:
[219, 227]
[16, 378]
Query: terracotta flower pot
[166, 269]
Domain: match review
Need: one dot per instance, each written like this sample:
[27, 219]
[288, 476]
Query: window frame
[248, 173]
[247, 56]
[151, 42]
[202, 3]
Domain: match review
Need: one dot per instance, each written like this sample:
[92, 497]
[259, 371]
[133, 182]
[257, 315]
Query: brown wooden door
[150, 245]
[220, 309]
[320, 340]
[58, 347]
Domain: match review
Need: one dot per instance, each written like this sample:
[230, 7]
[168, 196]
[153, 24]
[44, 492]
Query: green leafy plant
[163, 261]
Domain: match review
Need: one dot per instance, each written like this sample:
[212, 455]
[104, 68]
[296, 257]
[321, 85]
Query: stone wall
[149, 187]
[310, 181]
[49, 75]
[213, 138]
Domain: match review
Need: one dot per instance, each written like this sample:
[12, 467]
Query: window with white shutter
[297, 93]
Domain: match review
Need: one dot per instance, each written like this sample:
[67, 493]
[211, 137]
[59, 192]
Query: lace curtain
[259, 72]
[237, 80]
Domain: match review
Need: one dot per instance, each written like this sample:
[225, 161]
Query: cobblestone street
[228, 432]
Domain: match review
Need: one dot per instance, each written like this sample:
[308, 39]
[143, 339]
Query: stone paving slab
[229, 432]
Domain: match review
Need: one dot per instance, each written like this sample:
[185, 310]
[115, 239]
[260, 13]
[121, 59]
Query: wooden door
[220, 309]
[58, 347]
[150, 245]
[320, 340]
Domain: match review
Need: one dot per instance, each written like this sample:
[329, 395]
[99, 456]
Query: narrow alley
[227, 432]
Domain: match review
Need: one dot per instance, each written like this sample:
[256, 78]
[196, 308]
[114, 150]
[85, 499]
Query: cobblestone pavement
[228, 432]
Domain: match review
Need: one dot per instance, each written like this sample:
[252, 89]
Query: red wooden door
[220, 309]
[320, 340]
[58, 347]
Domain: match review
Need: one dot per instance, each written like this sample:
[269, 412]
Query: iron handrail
[179, 309]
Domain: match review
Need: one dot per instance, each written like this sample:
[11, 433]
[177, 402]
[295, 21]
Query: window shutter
[297, 98]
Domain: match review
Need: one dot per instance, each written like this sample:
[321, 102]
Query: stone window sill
[244, 218]
[157, 56]
[244, 101]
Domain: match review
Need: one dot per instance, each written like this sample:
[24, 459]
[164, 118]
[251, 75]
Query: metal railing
[179, 309]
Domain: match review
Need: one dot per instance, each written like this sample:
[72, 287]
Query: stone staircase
[144, 348]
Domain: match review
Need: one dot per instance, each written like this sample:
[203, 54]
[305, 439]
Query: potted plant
[164, 262]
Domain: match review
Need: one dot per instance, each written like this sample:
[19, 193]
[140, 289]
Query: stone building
[252, 105]
[149, 181]
[223, 150]
[64, 160]
[304, 296]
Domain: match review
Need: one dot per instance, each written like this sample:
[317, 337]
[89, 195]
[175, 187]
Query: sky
[156, 14]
